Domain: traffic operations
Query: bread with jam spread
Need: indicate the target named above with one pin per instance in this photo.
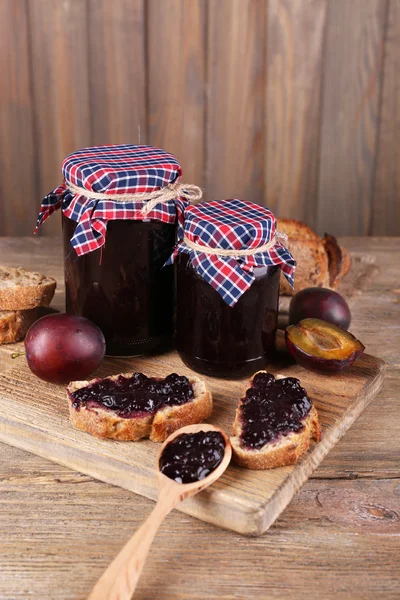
(281, 446)
(100, 420)
(321, 262)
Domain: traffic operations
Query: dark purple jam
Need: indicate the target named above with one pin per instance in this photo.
(123, 287)
(135, 395)
(272, 408)
(192, 456)
(220, 340)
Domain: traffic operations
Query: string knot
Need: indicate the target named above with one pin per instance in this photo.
(172, 191)
(232, 252)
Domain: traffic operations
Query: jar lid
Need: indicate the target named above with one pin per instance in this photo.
(106, 183)
(226, 239)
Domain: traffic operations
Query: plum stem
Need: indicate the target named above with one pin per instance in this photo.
(17, 354)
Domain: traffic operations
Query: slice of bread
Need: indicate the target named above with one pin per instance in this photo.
(285, 450)
(106, 423)
(15, 323)
(320, 262)
(24, 290)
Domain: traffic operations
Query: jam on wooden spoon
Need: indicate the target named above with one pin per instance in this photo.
(190, 460)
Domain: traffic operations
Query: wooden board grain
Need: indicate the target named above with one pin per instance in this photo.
(350, 101)
(291, 104)
(117, 80)
(385, 203)
(17, 131)
(34, 417)
(295, 41)
(60, 77)
(235, 108)
(176, 82)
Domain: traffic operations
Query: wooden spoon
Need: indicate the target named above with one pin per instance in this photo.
(119, 580)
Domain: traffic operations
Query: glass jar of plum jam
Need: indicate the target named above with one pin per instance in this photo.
(123, 287)
(221, 340)
(229, 259)
(120, 206)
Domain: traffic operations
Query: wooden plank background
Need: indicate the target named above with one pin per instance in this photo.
(292, 104)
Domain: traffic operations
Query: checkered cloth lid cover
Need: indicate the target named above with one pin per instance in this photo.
(113, 169)
(231, 225)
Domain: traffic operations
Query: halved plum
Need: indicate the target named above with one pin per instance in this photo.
(321, 346)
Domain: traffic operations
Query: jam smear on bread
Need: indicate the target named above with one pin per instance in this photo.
(132, 406)
(272, 408)
(135, 394)
(275, 421)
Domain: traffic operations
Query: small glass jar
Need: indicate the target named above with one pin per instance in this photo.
(223, 341)
(123, 287)
(229, 260)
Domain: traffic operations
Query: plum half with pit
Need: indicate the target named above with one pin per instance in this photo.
(321, 346)
(61, 348)
(319, 303)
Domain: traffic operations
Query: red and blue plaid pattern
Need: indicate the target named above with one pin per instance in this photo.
(122, 169)
(231, 225)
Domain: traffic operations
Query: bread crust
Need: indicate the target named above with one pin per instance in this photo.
(104, 423)
(309, 252)
(171, 418)
(285, 451)
(347, 262)
(23, 290)
(15, 323)
(314, 258)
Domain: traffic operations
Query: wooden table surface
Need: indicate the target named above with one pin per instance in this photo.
(339, 538)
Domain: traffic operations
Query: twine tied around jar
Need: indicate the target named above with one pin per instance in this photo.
(172, 191)
(279, 236)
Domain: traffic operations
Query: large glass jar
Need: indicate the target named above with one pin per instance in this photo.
(223, 341)
(123, 287)
(120, 209)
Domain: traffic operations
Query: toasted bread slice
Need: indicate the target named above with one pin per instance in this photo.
(283, 451)
(24, 290)
(320, 262)
(309, 252)
(15, 323)
(106, 423)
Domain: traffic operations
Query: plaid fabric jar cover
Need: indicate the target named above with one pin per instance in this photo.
(125, 169)
(231, 225)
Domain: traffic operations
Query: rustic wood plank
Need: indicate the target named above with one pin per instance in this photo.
(60, 89)
(60, 530)
(292, 113)
(371, 448)
(17, 159)
(117, 78)
(235, 109)
(337, 539)
(365, 451)
(352, 79)
(34, 417)
(386, 205)
(176, 79)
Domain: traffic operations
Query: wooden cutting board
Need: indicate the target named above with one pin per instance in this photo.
(34, 417)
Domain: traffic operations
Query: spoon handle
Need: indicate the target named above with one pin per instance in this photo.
(119, 580)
